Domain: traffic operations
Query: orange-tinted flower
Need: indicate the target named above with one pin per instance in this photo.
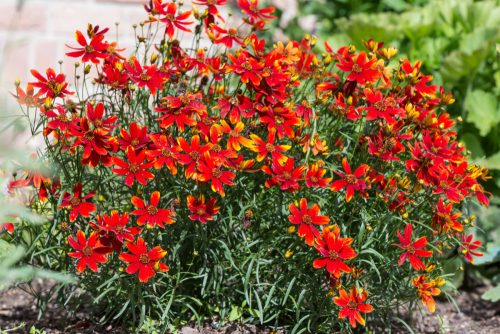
(77, 203)
(445, 219)
(352, 304)
(468, 247)
(351, 181)
(235, 137)
(306, 218)
(202, 211)
(147, 263)
(288, 54)
(265, 148)
(426, 290)
(315, 177)
(90, 51)
(412, 249)
(28, 98)
(334, 251)
(150, 214)
(135, 168)
(86, 251)
(210, 170)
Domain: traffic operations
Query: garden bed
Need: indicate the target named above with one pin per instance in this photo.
(17, 306)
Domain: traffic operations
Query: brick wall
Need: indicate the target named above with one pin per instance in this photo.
(33, 33)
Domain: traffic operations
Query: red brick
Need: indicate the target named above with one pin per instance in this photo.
(47, 53)
(15, 62)
(31, 16)
(72, 16)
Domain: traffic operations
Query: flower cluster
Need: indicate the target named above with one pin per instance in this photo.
(178, 135)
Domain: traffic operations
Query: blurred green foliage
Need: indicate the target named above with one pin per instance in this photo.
(13, 209)
(457, 42)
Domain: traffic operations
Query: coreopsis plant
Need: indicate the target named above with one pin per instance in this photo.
(286, 184)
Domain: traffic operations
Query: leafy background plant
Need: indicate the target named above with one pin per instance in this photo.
(457, 42)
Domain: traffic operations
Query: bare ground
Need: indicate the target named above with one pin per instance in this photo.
(18, 313)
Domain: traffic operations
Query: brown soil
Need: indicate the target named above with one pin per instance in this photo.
(17, 308)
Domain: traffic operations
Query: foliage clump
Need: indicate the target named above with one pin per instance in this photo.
(270, 183)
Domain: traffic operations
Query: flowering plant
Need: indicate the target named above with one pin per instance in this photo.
(289, 186)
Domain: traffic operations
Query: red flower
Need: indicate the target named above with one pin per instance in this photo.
(180, 109)
(445, 219)
(135, 168)
(90, 51)
(151, 214)
(226, 36)
(114, 76)
(162, 152)
(77, 203)
(246, 66)
(381, 107)
(334, 250)
(315, 177)
(212, 9)
(468, 247)
(171, 20)
(137, 137)
(58, 119)
(114, 227)
(446, 185)
(202, 211)
(144, 76)
(209, 169)
(251, 8)
(412, 249)
(93, 133)
(86, 251)
(351, 181)
(306, 218)
(53, 86)
(361, 69)
(144, 261)
(9, 227)
(352, 304)
(192, 153)
(285, 175)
